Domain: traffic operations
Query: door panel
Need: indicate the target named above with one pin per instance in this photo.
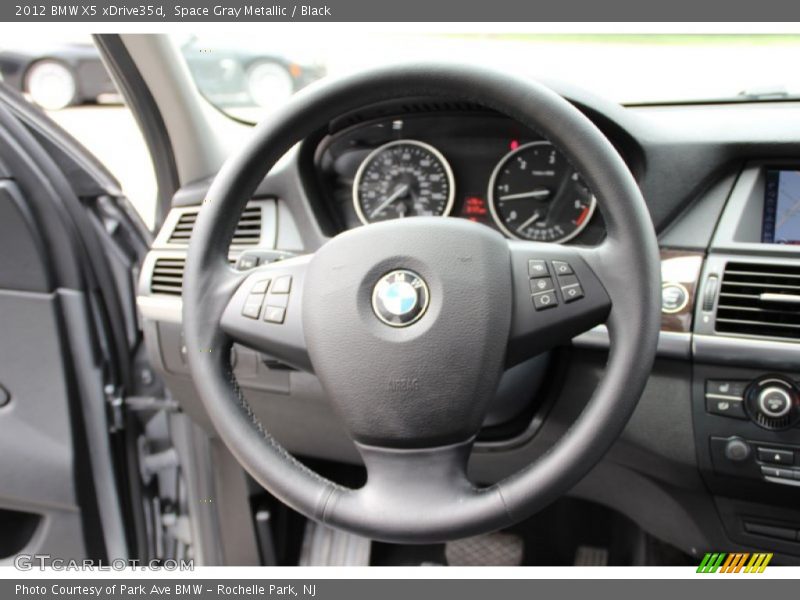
(36, 442)
(68, 333)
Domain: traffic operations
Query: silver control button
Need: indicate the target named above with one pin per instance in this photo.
(774, 402)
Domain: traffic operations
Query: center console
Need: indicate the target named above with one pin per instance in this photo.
(746, 350)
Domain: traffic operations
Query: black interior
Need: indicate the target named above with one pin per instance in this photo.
(664, 459)
(685, 476)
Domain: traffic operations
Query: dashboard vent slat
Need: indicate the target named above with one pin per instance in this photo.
(248, 231)
(744, 310)
(167, 276)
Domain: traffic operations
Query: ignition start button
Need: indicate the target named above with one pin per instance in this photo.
(674, 298)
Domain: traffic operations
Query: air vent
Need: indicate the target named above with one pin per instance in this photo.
(761, 300)
(167, 276)
(248, 231)
(183, 230)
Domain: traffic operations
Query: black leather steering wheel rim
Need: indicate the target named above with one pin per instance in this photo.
(419, 493)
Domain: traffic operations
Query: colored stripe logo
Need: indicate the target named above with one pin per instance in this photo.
(736, 562)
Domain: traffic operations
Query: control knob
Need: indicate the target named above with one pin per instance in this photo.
(737, 450)
(773, 402)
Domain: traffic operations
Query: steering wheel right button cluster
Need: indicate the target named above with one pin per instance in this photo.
(571, 288)
(544, 279)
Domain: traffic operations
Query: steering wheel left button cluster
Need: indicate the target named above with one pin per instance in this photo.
(543, 291)
(273, 299)
(254, 300)
(278, 299)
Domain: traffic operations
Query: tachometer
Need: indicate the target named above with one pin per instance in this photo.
(535, 194)
(404, 178)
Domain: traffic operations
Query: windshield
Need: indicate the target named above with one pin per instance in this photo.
(247, 77)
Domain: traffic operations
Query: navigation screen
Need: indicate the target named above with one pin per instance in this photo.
(781, 207)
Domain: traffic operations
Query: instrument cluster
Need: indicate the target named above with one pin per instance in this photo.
(482, 167)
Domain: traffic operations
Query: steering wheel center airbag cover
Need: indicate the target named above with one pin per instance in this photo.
(427, 383)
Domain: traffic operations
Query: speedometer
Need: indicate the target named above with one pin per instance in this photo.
(535, 194)
(404, 178)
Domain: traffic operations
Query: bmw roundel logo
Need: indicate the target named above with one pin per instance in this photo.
(400, 298)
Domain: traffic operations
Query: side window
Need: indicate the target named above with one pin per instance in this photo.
(66, 78)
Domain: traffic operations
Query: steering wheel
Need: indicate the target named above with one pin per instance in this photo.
(409, 324)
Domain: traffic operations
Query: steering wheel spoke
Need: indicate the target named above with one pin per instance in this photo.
(265, 312)
(415, 474)
(414, 490)
(558, 294)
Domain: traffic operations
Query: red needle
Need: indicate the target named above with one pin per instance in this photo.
(582, 216)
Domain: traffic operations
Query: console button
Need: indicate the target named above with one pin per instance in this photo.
(544, 300)
(777, 473)
(726, 387)
(567, 280)
(542, 284)
(725, 407)
(274, 314)
(774, 402)
(674, 298)
(783, 533)
(282, 285)
(537, 268)
(572, 292)
(737, 450)
(775, 456)
(562, 268)
(260, 287)
(280, 300)
(252, 306)
(247, 261)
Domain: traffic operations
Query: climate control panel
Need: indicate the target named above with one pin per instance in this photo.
(771, 401)
(748, 426)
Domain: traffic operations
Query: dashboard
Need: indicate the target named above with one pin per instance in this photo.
(711, 457)
(472, 165)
